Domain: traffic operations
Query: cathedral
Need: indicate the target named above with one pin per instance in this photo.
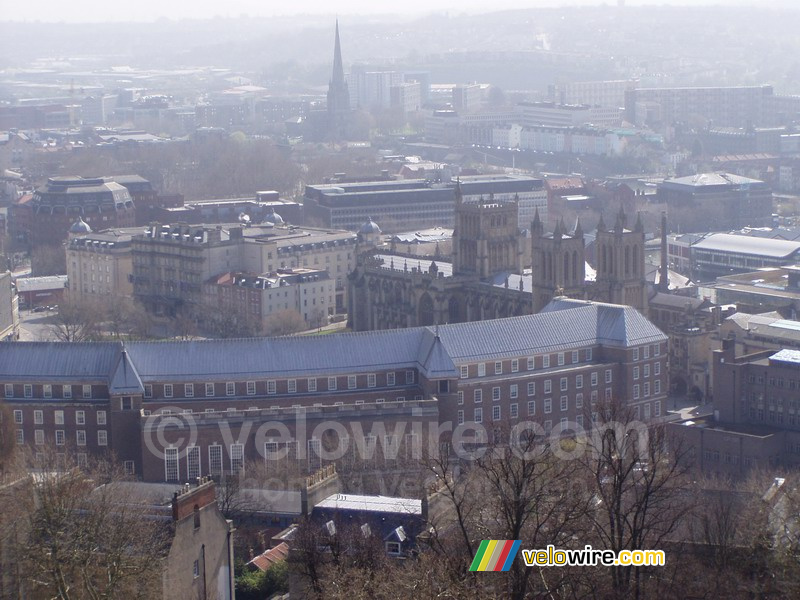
(486, 279)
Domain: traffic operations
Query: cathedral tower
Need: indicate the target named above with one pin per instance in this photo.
(620, 264)
(559, 267)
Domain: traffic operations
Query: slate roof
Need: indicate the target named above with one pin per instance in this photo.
(435, 351)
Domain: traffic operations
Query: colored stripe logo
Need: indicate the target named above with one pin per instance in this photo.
(495, 555)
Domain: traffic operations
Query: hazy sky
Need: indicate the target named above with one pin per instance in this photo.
(149, 10)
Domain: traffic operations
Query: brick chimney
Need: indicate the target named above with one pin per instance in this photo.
(200, 495)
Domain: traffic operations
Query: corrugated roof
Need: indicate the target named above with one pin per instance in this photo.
(790, 356)
(57, 360)
(746, 244)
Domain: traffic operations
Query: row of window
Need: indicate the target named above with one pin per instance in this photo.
(60, 437)
(47, 391)
(646, 389)
(497, 413)
(80, 417)
(646, 351)
(561, 360)
(646, 371)
(209, 389)
(477, 394)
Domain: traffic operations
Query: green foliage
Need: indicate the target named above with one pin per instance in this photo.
(259, 585)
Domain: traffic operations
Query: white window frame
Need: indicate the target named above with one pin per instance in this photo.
(188, 390)
(101, 417)
(58, 417)
(168, 390)
(478, 414)
(80, 437)
(332, 384)
(514, 365)
(352, 382)
(210, 390)
(372, 380)
(61, 437)
(477, 396)
(80, 417)
(481, 369)
(391, 379)
(311, 384)
(38, 417)
(102, 437)
(230, 388)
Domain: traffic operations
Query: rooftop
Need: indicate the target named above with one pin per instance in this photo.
(385, 504)
(746, 244)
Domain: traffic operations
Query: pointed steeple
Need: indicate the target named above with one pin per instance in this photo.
(338, 68)
(338, 94)
(459, 193)
(619, 226)
(601, 224)
(558, 232)
(536, 224)
(638, 227)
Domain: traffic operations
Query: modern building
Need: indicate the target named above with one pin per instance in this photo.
(414, 204)
(592, 93)
(100, 202)
(551, 114)
(724, 254)
(174, 411)
(716, 202)
(768, 289)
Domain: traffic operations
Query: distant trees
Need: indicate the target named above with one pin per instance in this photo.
(76, 321)
(284, 322)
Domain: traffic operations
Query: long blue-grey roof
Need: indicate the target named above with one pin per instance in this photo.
(435, 351)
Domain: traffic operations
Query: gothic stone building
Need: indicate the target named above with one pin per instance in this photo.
(486, 279)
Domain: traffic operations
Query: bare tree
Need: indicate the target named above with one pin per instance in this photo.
(284, 322)
(77, 321)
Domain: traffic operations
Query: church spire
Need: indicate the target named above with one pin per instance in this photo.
(337, 78)
(338, 94)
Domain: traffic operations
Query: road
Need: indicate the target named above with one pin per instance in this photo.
(35, 327)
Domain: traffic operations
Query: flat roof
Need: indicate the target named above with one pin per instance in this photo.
(787, 356)
(747, 244)
(410, 506)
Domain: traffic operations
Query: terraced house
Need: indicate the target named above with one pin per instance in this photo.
(173, 411)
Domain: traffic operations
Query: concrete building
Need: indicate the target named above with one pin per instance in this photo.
(724, 254)
(9, 309)
(592, 93)
(550, 114)
(372, 90)
(100, 264)
(716, 202)
(768, 289)
(165, 408)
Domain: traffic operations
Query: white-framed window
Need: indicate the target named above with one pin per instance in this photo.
(59, 417)
(636, 392)
(331, 383)
(272, 387)
(393, 548)
(647, 370)
(548, 386)
(101, 417)
(87, 391)
(38, 437)
(38, 417)
(531, 388)
(409, 377)
(481, 369)
(496, 412)
(578, 382)
(47, 390)
(635, 373)
(657, 368)
(193, 462)
(129, 466)
(102, 437)
(588, 354)
(371, 380)
(230, 388)
(548, 405)
(546, 361)
(647, 411)
(460, 397)
(646, 351)
(188, 390)
(563, 423)
(657, 408)
(657, 386)
(531, 407)
(498, 368)
(171, 466)
(560, 359)
(27, 390)
(579, 420)
(80, 417)
(548, 425)
(148, 390)
(215, 459)
(608, 393)
(461, 417)
(579, 400)
(20, 436)
(464, 371)
(209, 389)
(646, 389)
(477, 396)
(9, 390)
(531, 363)
(594, 397)
(478, 415)
(564, 384)
(656, 349)
(514, 410)
(575, 357)
(291, 386)
(593, 378)
(564, 403)
(66, 391)
(60, 437)
(167, 390)
(80, 437)
(237, 458)
(635, 354)
(351, 382)
(312, 384)
(390, 379)
(496, 393)
(514, 365)
(514, 391)
(608, 375)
